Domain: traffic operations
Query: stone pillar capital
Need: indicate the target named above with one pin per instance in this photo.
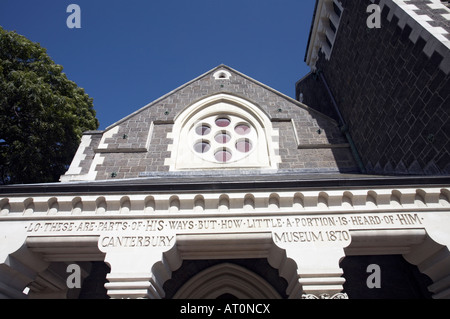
(133, 273)
(318, 269)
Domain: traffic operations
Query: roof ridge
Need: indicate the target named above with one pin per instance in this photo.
(222, 66)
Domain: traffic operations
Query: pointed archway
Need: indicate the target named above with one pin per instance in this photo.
(227, 279)
(238, 262)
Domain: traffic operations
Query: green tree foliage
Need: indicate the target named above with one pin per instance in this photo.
(42, 113)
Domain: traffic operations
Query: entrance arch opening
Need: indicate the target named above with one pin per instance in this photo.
(398, 279)
(231, 278)
(256, 254)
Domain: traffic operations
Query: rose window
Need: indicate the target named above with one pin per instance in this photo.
(223, 139)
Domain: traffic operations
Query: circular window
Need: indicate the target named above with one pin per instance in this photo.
(223, 139)
(223, 155)
(202, 147)
(222, 122)
(242, 129)
(203, 129)
(244, 145)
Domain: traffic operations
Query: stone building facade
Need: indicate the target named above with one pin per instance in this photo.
(391, 84)
(141, 142)
(226, 188)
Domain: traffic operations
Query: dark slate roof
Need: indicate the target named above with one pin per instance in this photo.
(169, 182)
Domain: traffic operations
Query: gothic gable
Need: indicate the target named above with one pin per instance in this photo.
(283, 134)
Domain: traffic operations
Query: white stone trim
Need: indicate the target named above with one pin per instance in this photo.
(222, 75)
(90, 176)
(75, 168)
(149, 136)
(108, 134)
(320, 29)
(226, 278)
(73, 174)
(412, 221)
(434, 36)
(339, 295)
(301, 202)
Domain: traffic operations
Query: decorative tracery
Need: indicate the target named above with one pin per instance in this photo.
(223, 132)
(223, 138)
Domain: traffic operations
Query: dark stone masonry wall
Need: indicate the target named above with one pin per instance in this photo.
(315, 95)
(141, 143)
(395, 99)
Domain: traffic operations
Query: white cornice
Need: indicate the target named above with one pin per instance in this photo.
(214, 204)
(319, 31)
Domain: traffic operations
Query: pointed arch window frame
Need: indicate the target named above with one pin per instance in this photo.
(183, 157)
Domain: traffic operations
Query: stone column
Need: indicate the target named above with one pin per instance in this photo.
(133, 272)
(318, 270)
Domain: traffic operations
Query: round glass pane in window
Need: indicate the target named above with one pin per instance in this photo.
(244, 146)
(202, 147)
(202, 129)
(222, 138)
(222, 122)
(242, 129)
(222, 156)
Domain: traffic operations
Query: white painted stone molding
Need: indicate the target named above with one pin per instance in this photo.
(222, 75)
(145, 237)
(321, 31)
(420, 199)
(226, 278)
(325, 296)
(225, 246)
(131, 274)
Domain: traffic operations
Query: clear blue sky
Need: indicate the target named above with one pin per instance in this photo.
(129, 53)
